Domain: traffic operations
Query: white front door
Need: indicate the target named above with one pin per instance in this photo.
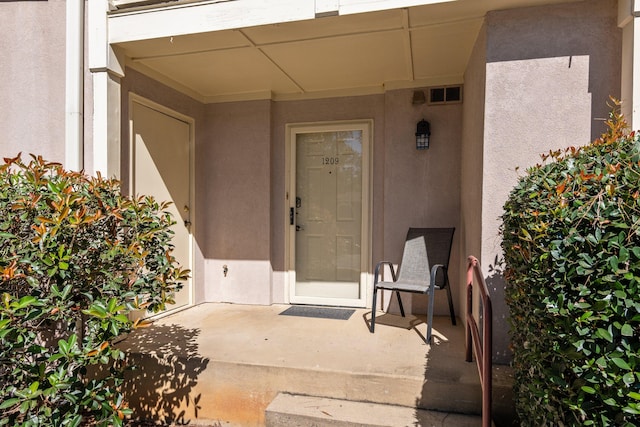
(329, 224)
(161, 159)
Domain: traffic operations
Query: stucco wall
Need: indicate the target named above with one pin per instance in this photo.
(421, 187)
(630, 25)
(410, 187)
(471, 157)
(321, 110)
(32, 67)
(232, 189)
(237, 190)
(549, 73)
(135, 82)
(241, 189)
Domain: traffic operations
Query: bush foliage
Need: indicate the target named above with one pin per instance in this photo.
(75, 257)
(572, 251)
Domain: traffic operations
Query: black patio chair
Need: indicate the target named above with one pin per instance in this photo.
(423, 270)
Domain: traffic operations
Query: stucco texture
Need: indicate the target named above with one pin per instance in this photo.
(539, 78)
(33, 79)
(421, 187)
(240, 182)
(549, 74)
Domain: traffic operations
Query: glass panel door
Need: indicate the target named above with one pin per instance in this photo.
(328, 216)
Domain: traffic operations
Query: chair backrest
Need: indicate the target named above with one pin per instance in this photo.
(423, 248)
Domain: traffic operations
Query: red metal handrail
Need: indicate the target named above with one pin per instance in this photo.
(482, 346)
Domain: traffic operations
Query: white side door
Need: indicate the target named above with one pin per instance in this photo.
(161, 167)
(329, 198)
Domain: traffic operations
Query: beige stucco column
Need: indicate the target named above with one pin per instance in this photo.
(629, 22)
(107, 70)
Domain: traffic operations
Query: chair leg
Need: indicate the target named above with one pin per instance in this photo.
(451, 311)
(430, 311)
(400, 303)
(373, 309)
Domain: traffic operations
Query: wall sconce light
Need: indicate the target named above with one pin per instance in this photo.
(423, 133)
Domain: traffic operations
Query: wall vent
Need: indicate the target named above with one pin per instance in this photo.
(445, 95)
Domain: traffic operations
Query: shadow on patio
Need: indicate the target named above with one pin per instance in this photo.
(223, 364)
(167, 367)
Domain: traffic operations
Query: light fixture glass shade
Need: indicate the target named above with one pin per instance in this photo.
(423, 134)
(422, 142)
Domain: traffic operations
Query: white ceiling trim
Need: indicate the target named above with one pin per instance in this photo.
(260, 46)
(408, 49)
(204, 17)
(274, 63)
(348, 7)
(222, 51)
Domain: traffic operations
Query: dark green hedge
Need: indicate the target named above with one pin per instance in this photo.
(572, 252)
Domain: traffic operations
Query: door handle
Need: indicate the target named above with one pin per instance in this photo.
(299, 227)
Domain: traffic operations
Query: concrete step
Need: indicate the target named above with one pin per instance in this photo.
(224, 365)
(289, 410)
(240, 392)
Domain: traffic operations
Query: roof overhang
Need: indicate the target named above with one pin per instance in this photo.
(223, 50)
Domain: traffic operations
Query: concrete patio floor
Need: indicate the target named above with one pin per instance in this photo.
(223, 364)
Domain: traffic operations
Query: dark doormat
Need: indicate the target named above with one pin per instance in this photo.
(318, 312)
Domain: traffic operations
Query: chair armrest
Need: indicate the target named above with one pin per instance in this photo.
(379, 266)
(434, 273)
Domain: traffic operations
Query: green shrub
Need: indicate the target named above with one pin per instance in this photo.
(75, 258)
(572, 252)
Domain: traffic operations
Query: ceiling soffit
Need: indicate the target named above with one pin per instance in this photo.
(351, 54)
